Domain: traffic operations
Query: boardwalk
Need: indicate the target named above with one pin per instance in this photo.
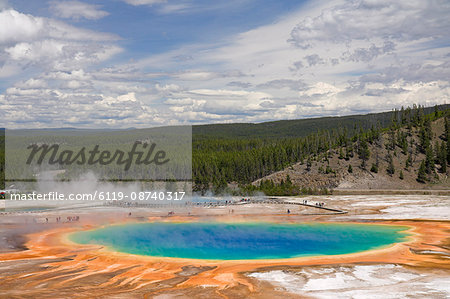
(225, 203)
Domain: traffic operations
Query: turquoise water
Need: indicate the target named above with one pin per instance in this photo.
(241, 241)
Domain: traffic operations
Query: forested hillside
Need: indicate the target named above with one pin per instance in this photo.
(409, 147)
(221, 163)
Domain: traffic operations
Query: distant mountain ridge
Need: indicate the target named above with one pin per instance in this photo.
(298, 127)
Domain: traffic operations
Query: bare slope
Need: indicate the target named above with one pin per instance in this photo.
(332, 171)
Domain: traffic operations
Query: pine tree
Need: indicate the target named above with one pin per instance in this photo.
(390, 168)
(308, 164)
(422, 174)
(341, 153)
(374, 168)
(364, 153)
(401, 175)
(403, 143)
(329, 170)
(424, 141)
(408, 117)
(442, 157)
(408, 161)
(444, 167)
(350, 169)
(402, 116)
(288, 180)
(349, 152)
(420, 115)
(391, 140)
(429, 160)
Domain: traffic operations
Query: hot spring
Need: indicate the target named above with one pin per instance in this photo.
(241, 241)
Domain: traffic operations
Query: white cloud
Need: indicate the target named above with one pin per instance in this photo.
(33, 83)
(168, 87)
(368, 54)
(329, 58)
(77, 10)
(36, 51)
(196, 75)
(314, 59)
(174, 8)
(181, 102)
(27, 42)
(363, 20)
(60, 54)
(311, 61)
(129, 97)
(8, 69)
(17, 27)
(144, 2)
(319, 89)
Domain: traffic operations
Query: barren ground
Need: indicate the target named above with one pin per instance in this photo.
(38, 262)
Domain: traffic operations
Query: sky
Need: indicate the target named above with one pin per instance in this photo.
(145, 63)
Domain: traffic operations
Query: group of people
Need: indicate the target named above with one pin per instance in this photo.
(317, 204)
(58, 219)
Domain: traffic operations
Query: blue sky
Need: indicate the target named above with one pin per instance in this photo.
(140, 63)
(149, 30)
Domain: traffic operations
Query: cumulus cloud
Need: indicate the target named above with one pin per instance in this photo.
(368, 54)
(59, 54)
(30, 41)
(15, 26)
(18, 27)
(52, 107)
(212, 104)
(283, 83)
(361, 20)
(314, 59)
(32, 83)
(329, 58)
(77, 10)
